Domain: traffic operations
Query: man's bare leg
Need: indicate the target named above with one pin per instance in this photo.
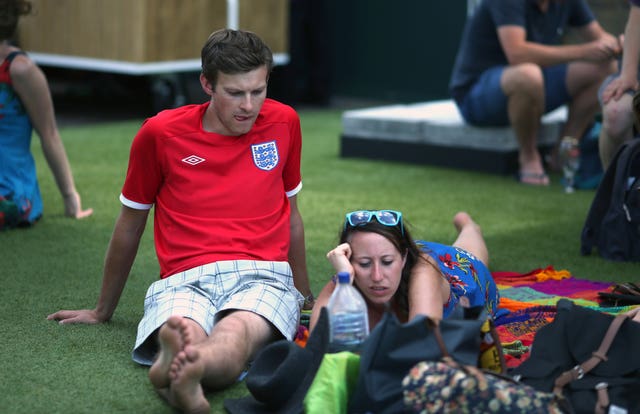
(583, 81)
(173, 336)
(524, 87)
(216, 362)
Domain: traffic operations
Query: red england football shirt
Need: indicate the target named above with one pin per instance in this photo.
(216, 197)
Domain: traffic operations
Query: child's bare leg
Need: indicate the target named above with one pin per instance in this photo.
(470, 237)
(173, 336)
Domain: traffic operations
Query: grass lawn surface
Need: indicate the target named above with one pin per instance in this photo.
(57, 264)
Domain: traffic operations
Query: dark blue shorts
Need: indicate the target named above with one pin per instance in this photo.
(486, 104)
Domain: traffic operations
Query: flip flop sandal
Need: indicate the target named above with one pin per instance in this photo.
(528, 178)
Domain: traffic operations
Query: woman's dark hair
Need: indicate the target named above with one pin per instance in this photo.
(401, 238)
(10, 12)
(232, 52)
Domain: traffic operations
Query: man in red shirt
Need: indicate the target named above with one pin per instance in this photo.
(223, 177)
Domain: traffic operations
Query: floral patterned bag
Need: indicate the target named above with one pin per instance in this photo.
(393, 348)
(448, 387)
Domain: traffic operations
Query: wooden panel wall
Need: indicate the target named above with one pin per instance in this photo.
(269, 19)
(143, 30)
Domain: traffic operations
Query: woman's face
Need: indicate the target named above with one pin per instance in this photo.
(377, 265)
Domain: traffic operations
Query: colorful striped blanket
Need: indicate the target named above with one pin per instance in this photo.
(527, 302)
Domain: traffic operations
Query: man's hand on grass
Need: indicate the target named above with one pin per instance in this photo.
(88, 316)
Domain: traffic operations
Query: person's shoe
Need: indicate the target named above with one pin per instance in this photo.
(529, 178)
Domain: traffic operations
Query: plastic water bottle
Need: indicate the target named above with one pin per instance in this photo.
(570, 159)
(348, 317)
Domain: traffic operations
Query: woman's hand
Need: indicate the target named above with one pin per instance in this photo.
(340, 258)
(73, 207)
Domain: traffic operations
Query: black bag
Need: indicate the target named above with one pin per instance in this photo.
(613, 221)
(392, 349)
(590, 358)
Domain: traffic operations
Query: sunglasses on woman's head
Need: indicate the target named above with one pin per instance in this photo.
(385, 217)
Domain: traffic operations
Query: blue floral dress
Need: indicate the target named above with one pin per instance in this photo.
(467, 276)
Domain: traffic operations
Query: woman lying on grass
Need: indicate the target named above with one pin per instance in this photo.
(392, 271)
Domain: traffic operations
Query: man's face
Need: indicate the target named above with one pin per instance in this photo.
(236, 101)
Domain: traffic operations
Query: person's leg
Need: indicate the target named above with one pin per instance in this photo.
(617, 122)
(177, 312)
(583, 80)
(470, 237)
(575, 85)
(179, 294)
(511, 96)
(250, 303)
(617, 127)
(218, 361)
(524, 87)
(173, 336)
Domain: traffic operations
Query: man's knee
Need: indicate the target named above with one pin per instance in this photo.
(245, 330)
(525, 77)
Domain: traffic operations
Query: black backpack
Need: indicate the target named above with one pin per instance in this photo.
(589, 357)
(613, 223)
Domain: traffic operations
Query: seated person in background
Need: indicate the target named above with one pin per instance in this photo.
(409, 277)
(512, 68)
(617, 92)
(25, 103)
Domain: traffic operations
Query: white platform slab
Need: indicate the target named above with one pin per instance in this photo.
(440, 123)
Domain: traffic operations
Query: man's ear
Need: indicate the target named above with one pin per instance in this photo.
(206, 85)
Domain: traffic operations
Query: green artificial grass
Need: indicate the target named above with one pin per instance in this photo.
(57, 264)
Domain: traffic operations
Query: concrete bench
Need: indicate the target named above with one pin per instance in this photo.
(435, 133)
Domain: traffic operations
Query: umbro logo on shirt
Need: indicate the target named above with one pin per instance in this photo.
(193, 160)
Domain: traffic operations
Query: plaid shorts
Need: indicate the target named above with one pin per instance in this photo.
(265, 288)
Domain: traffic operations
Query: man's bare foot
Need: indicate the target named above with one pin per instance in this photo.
(531, 170)
(530, 178)
(185, 392)
(172, 337)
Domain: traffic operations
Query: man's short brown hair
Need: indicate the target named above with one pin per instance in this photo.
(232, 52)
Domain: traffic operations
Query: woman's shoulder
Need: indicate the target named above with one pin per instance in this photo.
(21, 64)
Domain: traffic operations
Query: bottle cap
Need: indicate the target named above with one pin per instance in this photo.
(343, 277)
